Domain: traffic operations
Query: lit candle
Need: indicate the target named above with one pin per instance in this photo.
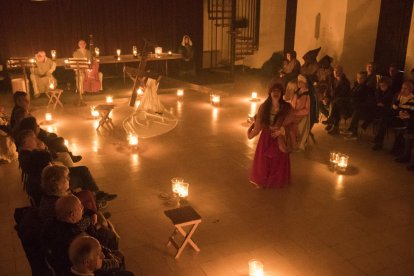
(183, 190)
(32, 60)
(52, 85)
(48, 117)
(96, 51)
(169, 53)
(254, 95)
(66, 61)
(180, 93)
(134, 51)
(118, 52)
(140, 92)
(255, 268)
(332, 158)
(109, 99)
(53, 54)
(66, 143)
(94, 113)
(133, 140)
(176, 184)
(343, 162)
(215, 99)
(158, 51)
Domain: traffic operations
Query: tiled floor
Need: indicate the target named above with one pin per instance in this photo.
(322, 224)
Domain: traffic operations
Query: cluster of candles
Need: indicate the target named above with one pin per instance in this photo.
(338, 161)
(179, 187)
(255, 268)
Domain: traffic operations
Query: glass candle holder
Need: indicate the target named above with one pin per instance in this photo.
(342, 163)
(109, 99)
(134, 51)
(183, 190)
(180, 94)
(176, 183)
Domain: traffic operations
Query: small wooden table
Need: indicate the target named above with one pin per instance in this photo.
(54, 98)
(181, 217)
(104, 111)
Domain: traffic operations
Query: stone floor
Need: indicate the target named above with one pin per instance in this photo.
(360, 223)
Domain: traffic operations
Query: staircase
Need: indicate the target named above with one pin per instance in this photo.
(234, 28)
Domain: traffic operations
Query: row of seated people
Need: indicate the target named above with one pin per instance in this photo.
(41, 75)
(388, 106)
(37, 148)
(48, 232)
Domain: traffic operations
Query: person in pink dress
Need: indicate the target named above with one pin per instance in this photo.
(275, 120)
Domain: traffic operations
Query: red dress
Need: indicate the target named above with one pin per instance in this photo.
(91, 82)
(271, 163)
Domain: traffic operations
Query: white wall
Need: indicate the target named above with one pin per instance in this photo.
(272, 32)
(332, 27)
(360, 35)
(409, 61)
(348, 30)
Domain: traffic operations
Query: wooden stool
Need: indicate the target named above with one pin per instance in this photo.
(181, 217)
(104, 111)
(54, 98)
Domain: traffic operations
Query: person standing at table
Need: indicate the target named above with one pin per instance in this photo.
(42, 75)
(82, 52)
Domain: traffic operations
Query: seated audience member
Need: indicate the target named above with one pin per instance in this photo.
(7, 146)
(361, 102)
(408, 138)
(301, 106)
(340, 103)
(70, 221)
(82, 52)
(291, 68)
(34, 157)
(20, 109)
(371, 76)
(187, 65)
(42, 75)
(401, 110)
(87, 256)
(56, 145)
(324, 85)
(397, 78)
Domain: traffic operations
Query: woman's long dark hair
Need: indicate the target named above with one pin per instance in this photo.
(284, 107)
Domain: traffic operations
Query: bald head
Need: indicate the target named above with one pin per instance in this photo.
(85, 253)
(69, 209)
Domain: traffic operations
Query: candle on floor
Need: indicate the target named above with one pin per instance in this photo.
(48, 117)
(183, 190)
(133, 140)
(140, 92)
(109, 99)
(254, 95)
(333, 159)
(215, 99)
(96, 51)
(94, 113)
(343, 162)
(53, 54)
(255, 268)
(180, 94)
(176, 183)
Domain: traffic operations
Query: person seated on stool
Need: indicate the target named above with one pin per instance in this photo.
(82, 52)
(41, 76)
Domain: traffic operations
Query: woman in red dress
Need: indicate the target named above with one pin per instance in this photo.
(276, 122)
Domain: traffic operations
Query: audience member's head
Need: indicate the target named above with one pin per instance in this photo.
(384, 83)
(27, 140)
(82, 44)
(361, 77)
(69, 209)
(290, 55)
(393, 69)
(29, 123)
(338, 71)
(21, 99)
(407, 88)
(55, 180)
(85, 254)
(302, 81)
(370, 68)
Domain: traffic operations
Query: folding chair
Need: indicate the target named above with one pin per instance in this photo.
(54, 98)
(181, 217)
(104, 111)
